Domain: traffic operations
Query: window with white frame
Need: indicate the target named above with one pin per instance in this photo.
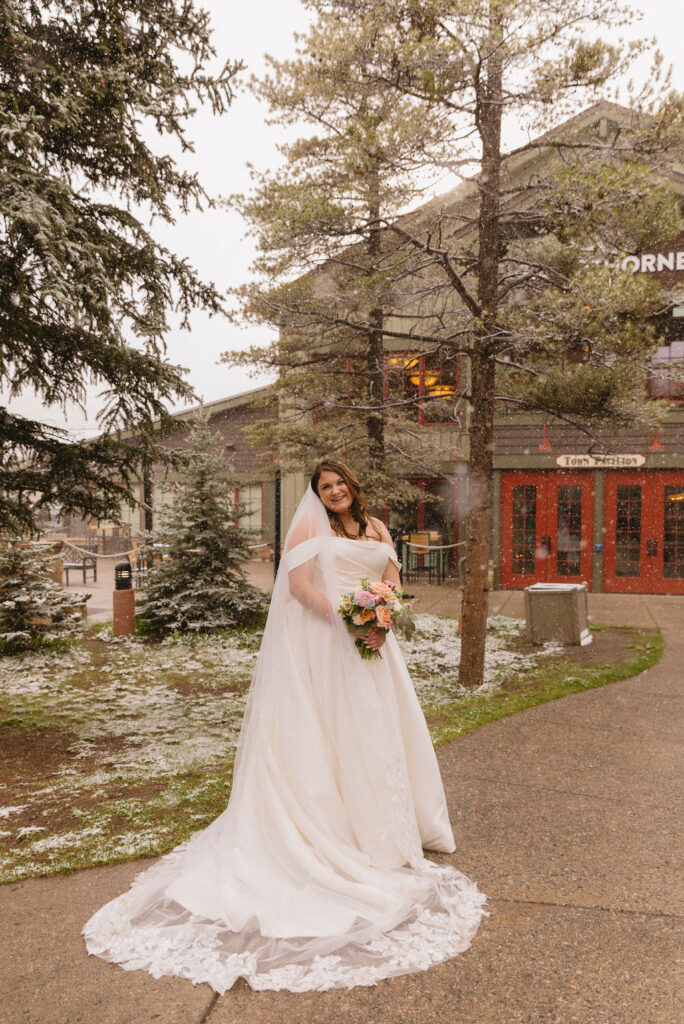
(251, 497)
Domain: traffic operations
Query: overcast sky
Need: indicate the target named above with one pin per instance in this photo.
(214, 242)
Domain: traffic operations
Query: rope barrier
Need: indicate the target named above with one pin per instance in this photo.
(96, 554)
(131, 551)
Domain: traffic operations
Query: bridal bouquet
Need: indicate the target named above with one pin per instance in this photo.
(373, 605)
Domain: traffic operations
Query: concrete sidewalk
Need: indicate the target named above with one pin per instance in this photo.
(564, 815)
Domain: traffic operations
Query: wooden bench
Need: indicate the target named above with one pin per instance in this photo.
(87, 564)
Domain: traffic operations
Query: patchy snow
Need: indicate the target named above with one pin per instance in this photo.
(433, 655)
(6, 811)
(144, 712)
(29, 830)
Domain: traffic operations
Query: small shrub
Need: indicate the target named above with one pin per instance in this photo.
(32, 605)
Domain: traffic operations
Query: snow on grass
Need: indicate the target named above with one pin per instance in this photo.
(6, 811)
(155, 728)
(433, 656)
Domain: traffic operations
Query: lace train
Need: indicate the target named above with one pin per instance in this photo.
(169, 940)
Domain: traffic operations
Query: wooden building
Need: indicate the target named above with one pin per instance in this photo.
(254, 479)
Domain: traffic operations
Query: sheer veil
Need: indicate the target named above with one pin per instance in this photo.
(307, 546)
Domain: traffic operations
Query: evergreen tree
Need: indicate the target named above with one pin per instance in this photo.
(552, 328)
(322, 215)
(519, 268)
(32, 604)
(85, 290)
(200, 585)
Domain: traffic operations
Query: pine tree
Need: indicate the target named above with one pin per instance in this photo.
(322, 214)
(552, 328)
(32, 604)
(519, 268)
(200, 585)
(85, 290)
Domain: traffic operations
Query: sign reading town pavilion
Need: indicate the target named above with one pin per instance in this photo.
(600, 461)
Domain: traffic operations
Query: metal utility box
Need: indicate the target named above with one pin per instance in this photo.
(557, 611)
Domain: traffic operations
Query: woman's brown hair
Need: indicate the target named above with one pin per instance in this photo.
(359, 508)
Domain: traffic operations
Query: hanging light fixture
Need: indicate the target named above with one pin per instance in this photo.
(430, 379)
(402, 360)
(440, 390)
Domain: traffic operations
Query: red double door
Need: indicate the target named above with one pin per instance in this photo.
(644, 532)
(546, 528)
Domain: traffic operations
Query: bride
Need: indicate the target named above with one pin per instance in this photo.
(314, 876)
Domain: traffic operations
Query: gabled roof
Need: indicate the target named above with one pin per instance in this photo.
(529, 154)
(220, 405)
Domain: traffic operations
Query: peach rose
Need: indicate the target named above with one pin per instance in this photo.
(383, 616)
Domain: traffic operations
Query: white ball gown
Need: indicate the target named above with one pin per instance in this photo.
(314, 876)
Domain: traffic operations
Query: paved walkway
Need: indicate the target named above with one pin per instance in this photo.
(610, 609)
(565, 816)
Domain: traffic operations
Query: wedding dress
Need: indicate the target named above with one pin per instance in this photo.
(314, 876)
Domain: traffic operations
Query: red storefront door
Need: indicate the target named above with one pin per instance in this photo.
(644, 532)
(546, 528)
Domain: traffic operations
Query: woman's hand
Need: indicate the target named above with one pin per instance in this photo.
(375, 638)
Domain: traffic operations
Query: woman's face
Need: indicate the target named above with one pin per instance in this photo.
(333, 492)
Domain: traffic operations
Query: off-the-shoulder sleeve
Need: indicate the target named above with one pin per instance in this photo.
(392, 555)
(303, 552)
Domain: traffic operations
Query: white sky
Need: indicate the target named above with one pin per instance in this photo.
(214, 242)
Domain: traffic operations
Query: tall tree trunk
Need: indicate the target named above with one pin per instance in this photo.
(478, 535)
(375, 423)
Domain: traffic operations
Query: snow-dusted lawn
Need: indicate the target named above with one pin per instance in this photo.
(148, 735)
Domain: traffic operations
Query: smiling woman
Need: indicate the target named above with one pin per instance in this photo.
(337, 486)
(314, 877)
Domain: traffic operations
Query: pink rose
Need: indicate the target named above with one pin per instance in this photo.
(363, 598)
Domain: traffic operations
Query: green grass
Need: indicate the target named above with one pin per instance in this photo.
(552, 679)
(129, 715)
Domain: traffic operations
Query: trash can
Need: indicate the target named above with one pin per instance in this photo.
(557, 611)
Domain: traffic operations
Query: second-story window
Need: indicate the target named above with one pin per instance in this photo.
(441, 386)
(402, 382)
(428, 385)
(666, 377)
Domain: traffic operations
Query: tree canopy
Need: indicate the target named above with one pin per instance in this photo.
(322, 217)
(517, 270)
(85, 290)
